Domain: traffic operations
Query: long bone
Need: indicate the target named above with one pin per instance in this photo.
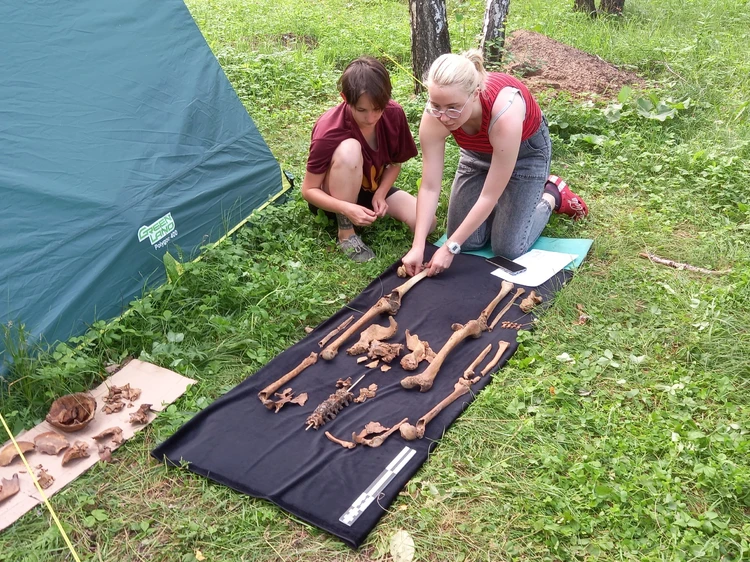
(411, 432)
(388, 304)
(345, 444)
(336, 330)
(469, 372)
(502, 346)
(267, 392)
(473, 328)
(506, 308)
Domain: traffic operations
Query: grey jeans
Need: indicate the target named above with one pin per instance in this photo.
(520, 214)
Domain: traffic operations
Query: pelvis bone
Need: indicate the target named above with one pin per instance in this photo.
(386, 352)
(375, 332)
(473, 328)
(420, 350)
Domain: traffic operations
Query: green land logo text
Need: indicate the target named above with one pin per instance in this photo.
(160, 232)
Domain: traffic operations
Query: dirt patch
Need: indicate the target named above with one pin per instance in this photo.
(290, 40)
(543, 64)
(286, 40)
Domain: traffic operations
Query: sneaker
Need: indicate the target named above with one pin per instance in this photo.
(355, 249)
(570, 203)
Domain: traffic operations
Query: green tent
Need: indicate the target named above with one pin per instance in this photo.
(120, 139)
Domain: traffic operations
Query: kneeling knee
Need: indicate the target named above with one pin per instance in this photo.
(348, 155)
(508, 250)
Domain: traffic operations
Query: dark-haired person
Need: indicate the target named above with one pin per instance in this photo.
(502, 191)
(356, 153)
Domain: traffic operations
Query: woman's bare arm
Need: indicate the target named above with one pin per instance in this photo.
(432, 137)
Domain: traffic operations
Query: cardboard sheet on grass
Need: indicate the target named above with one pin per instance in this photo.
(236, 441)
(159, 387)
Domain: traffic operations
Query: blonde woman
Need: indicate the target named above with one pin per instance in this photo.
(502, 191)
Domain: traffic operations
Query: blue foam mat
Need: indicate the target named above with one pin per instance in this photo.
(577, 246)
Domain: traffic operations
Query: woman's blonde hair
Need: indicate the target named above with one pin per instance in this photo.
(465, 71)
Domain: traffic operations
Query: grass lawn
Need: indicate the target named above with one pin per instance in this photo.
(625, 438)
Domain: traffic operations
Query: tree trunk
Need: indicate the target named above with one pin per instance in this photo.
(429, 36)
(493, 32)
(586, 6)
(612, 6)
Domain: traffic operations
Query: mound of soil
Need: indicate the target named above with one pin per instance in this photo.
(543, 63)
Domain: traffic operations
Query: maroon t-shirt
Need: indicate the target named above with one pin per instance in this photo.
(395, 143)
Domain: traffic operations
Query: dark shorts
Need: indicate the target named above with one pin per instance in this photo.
(364, 199)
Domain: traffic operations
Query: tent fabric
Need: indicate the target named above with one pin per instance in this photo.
(237, 442)
(120, 139)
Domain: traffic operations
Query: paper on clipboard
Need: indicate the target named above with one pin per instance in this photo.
(540, 266)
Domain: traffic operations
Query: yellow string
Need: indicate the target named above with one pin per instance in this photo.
(394, 61)
(41, 491)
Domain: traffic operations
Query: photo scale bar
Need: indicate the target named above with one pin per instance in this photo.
(378, 485)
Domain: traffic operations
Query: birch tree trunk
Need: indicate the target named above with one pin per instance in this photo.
(493, 32)
(586, 6)
(429, 36)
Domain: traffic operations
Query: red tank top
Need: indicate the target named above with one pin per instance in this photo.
(495, 82)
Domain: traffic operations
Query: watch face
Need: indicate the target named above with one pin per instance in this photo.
(454, 247)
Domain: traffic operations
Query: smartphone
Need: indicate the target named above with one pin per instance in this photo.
(506, 265)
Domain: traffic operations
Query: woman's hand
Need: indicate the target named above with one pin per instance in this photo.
(379, 204)
(441, 260)
(413, 261)
(360, 216)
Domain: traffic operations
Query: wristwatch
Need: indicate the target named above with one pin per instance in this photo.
(453, 247)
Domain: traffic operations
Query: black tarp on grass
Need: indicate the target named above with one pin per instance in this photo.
(238, 442)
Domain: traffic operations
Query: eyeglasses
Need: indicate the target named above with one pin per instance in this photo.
(449, 113)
